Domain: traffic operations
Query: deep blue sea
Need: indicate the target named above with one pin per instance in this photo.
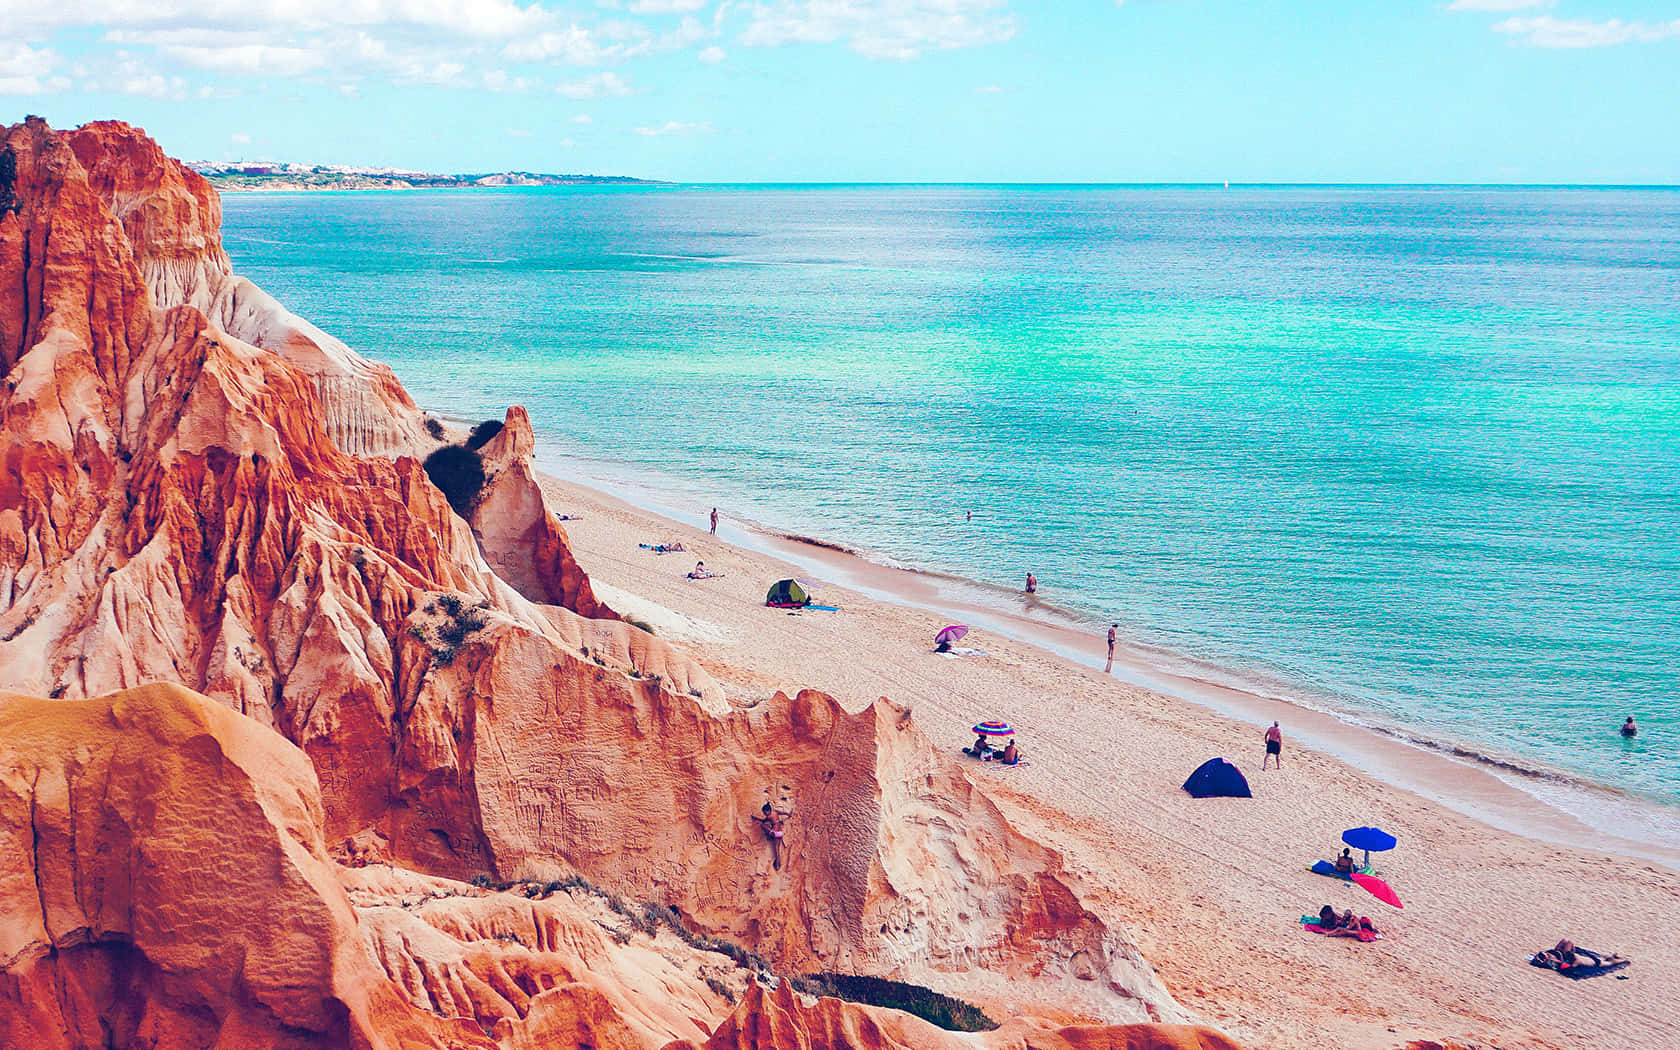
(1411, 452)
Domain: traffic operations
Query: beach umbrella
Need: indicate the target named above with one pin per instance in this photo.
(1370, 840)
(994, 729)
(950, 634)
(1378, 889)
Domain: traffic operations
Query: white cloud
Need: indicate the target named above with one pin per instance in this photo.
(1497, 5)
(712, 55)
(33, 85)
(900, 29)
(26, 70)
(583, 118)
(666, 7)
(989, 89)
(261, 60)
(573, 45)
(503, 82)
(601, 85)
(565, 144)
(518, 133)
(1546, 31)
(240, 138)
(479, 18)
(675, 127)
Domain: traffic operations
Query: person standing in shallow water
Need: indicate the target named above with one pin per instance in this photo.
(714, 521)
(1629, 729)
(1274, 746)
(1109, 668)
(1032, 583)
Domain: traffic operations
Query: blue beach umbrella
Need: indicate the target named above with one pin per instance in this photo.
(1369, 840)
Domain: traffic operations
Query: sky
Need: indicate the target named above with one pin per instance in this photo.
(878, 90)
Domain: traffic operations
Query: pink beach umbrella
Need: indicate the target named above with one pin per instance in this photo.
(1378, 889)
(950, 634)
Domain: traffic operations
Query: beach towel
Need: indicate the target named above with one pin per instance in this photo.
(1362, 935)
(956, 653)
(1581, 970)
(660, 548)
(1324, 867)
(706, 576)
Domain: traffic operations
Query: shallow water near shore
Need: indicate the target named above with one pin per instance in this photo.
(1413, 454)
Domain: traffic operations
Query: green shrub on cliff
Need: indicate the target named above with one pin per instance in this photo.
(953, 1015)
(8, 180)
(459, 473)
(483, 434)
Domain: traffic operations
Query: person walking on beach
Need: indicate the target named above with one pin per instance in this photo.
(1109, 668)
(1629, 729)
(1274, 747)
(1032, 583)
(714, 521)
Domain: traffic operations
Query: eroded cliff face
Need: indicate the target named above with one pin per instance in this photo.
(181, 501)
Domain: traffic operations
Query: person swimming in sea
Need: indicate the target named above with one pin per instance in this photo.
(1629, 730)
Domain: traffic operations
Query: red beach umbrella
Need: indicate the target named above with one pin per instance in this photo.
(950, 634)
(1378, 889)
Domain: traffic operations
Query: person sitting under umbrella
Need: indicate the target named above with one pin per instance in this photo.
(982, 746)
(1344, 863)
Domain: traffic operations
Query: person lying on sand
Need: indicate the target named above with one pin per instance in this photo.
(1347, 924)
(1564, 954)
(663, 548)
(1578, 963)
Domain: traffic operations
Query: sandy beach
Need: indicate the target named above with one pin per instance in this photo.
(1211, 889)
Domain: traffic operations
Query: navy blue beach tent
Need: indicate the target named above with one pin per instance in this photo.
(1217, 778)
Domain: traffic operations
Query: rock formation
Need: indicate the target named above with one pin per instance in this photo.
(198, 488)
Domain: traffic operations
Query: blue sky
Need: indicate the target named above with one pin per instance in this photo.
(879, 90)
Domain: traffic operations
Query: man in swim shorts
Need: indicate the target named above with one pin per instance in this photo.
(1274, 746)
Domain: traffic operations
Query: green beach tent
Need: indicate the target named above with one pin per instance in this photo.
(787, 594)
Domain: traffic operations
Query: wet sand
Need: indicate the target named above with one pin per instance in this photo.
(1211, 889)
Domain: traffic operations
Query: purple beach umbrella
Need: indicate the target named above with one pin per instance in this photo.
(950, 634)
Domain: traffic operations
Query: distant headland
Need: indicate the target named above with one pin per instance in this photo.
(248, 175)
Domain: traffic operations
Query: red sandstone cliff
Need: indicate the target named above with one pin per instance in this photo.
(198, 488)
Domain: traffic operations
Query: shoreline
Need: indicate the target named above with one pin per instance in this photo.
(1207, 890)
(1511, 793)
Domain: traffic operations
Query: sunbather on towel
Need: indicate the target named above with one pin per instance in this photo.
(1564, 955)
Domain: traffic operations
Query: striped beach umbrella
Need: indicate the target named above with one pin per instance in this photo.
(994, 729)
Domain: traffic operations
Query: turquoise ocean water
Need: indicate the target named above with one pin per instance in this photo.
(1410, 452)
